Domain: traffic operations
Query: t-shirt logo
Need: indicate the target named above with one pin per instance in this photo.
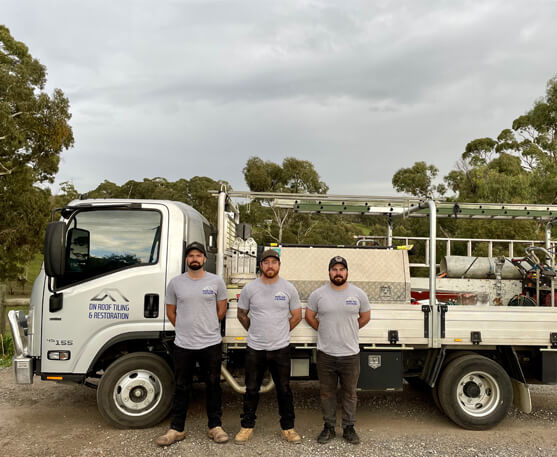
(352, 301)
(280, 296)
(208, 291)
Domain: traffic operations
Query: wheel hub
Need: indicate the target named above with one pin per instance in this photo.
(137, 392)
(471, 389)
(478, 393)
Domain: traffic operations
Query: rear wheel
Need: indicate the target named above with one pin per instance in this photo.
(435, 396)
(475, 392)
(136, 391)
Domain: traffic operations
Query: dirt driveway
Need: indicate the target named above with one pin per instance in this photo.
(47, 419)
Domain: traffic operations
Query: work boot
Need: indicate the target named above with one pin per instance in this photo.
(350, 435)
(292, 436)
(243, 435)
(218, 435)
(327, 434)
(170, 437)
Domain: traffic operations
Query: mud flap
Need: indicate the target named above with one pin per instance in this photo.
(521, 396)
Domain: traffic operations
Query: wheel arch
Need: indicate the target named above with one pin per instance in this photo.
(151, 341)
(501, 355)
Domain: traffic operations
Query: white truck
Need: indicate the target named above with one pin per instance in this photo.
(97, 312)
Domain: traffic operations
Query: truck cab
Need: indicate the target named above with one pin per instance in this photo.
(98, 302)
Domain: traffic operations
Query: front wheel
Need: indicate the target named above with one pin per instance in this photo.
(475, 392)
(136, 391)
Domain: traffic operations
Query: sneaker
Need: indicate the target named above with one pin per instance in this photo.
(218, 435)
(243, 435)
(292, 436)
(350, 435)
(327, 434)
(170, 437)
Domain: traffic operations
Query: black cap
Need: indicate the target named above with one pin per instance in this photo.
(197, 246)
(338, 259)
(270, 253)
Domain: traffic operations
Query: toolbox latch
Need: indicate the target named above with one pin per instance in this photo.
(426, 309)
(393, 336)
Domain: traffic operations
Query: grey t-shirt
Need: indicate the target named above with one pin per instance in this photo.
(197, 323)
(269, 306)
(338, 312)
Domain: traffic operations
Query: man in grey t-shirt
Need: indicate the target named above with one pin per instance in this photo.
(268, 308)
(195, 303)
(337, 311)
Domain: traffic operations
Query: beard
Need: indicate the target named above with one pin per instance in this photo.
(270, 274)
(338, 280)
(195, 266)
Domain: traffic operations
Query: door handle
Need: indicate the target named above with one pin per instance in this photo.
(151, 306)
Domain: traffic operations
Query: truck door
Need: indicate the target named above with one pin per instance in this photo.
(113, 287)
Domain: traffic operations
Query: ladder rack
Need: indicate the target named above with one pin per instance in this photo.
(396, 206)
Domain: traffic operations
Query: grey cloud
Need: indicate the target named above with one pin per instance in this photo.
(361, 88)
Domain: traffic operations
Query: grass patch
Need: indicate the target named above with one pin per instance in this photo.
(6, 350)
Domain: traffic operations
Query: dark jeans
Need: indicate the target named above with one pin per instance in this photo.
(330, 370)
(278, 363)
(209, 359)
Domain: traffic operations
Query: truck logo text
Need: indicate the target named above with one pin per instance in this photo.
(114, 306)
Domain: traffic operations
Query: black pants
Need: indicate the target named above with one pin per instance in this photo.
(278, 363)
(330, 371)
(209, 359)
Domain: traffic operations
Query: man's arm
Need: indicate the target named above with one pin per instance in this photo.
(243, 318)
(221, 309)
(296, 317)
(364, 318)
(171, 313)
(311, 319)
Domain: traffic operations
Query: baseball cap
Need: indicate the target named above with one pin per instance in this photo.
(197, 246)
(338, 259)
(269, 253)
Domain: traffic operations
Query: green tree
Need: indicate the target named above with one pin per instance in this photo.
(418, 180)
(67, 193)
(193, 192)
(34, 130)
(520, 165)
(293, 176)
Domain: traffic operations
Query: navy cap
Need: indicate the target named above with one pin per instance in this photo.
(197, 246)
(338, 259)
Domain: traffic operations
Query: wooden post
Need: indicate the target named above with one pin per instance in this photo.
(3, 289)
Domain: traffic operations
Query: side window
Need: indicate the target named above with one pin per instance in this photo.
(210, 241)
(102, 241)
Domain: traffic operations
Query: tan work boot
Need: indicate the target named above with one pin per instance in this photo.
(243, 435)
(218, 435)
(170, 437)
(292, 436)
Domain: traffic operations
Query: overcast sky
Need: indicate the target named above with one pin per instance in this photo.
(360, 88)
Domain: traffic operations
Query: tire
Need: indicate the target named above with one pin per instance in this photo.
(475, 392)
(435, 396)
(136, 391)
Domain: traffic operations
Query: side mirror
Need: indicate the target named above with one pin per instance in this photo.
(54, 249)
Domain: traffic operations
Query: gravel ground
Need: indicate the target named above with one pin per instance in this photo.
(48, 419)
